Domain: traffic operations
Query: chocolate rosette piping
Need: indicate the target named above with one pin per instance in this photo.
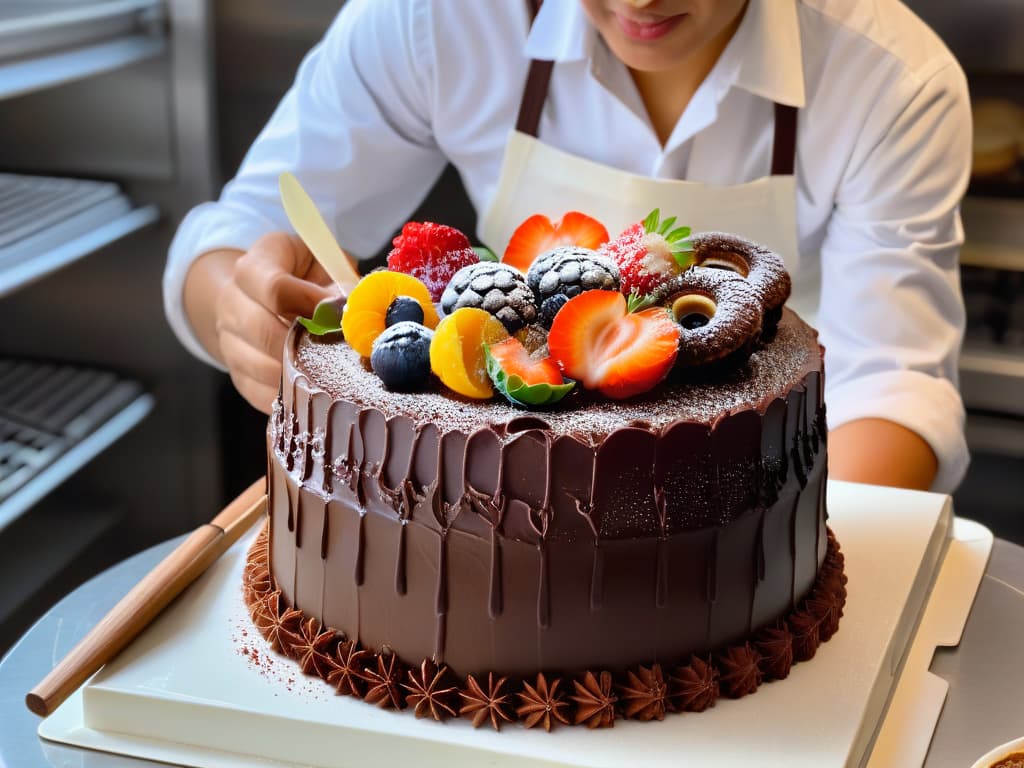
(591, 698)
(775, 645)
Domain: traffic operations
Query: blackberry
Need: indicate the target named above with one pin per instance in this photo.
(495, 288)
(568, 271)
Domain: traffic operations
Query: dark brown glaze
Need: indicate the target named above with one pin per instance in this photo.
(733, 325)
(502, 547)
(594, 698)
(764, 268)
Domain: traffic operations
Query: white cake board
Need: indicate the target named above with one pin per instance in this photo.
(185, 693)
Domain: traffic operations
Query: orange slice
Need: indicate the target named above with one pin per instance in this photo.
(457, 351)
(362, 320)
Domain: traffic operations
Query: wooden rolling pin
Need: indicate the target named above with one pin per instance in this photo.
(148, 598)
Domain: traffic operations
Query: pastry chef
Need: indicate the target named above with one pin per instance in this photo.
(836, 132)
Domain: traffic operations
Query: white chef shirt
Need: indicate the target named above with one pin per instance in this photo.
(397, 88)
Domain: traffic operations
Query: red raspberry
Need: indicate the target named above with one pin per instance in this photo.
(649, 253)
(432, 253)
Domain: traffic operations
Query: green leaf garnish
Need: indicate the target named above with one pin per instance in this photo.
(637, 301)
(651, 222)
(684, 259)
(484, 254)
(666, 225)
(678, 234)
(326, 318)
(518, 392)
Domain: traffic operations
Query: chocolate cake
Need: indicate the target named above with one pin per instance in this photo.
(603, 558)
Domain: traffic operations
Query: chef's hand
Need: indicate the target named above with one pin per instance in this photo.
(241, 304)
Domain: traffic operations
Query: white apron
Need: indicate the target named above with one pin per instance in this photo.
(537, 178)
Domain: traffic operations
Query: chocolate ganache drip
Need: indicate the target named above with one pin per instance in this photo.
(488, 538)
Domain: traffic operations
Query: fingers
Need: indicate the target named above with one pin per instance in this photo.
(255, 374)
(259, 396)
(317, 274)
(275, 273)
(272, 283)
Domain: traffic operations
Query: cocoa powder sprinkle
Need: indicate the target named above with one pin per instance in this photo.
(337, 369)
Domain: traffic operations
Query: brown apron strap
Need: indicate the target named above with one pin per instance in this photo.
(536, 91)
(784, 143)
(534, 95)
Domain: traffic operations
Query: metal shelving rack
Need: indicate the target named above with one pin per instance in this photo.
(45, 43)
(55, 418)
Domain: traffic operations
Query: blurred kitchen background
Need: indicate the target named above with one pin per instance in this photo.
(116, 116)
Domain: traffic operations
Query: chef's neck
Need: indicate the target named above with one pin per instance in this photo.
(666, 93)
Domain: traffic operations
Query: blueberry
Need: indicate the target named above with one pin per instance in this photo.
(401, 356)
(403, 309)
(693, 320)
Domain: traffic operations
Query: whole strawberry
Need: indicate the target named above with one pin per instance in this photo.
(432, 253)
(649, 253)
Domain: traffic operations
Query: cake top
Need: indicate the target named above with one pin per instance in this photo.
(571, 329)
(769, 372)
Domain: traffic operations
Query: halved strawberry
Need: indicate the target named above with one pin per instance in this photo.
(539, 234)
(515, 360)
(597, 341)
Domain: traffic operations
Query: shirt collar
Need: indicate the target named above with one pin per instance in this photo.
(767, 47)
(763, 57)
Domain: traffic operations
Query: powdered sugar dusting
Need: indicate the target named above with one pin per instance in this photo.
(659, 261)
(737, 316)
(338, 370)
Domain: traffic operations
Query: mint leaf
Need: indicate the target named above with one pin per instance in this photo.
(484, 254)
(678, 234)
(666, 225)
(326, 317)
(518, 392)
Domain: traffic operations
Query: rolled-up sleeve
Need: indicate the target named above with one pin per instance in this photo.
(355, 128)
(892, 315)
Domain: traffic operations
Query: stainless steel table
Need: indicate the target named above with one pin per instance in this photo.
(986, 672)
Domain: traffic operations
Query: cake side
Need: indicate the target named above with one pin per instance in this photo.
(499, 548)
(594, 698)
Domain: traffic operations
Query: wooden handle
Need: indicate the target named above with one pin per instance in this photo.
(147, 599)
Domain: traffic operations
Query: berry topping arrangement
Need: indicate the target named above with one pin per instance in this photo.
(566, 311)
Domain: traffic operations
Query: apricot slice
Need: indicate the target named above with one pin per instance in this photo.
(457, 355)
(366, 307)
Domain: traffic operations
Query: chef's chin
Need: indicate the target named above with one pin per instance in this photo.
(662, 34)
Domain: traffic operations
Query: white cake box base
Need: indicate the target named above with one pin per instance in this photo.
(188, 692)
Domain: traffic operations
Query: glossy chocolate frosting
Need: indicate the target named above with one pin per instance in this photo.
(595, 536)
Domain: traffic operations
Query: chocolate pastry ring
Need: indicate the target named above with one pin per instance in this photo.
(719, 314)
(763, 268)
